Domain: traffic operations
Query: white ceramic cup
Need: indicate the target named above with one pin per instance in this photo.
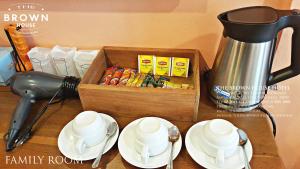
(219, 138)
(151, 138)
(89, 129)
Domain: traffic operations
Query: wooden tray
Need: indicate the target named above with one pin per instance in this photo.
(171, 104)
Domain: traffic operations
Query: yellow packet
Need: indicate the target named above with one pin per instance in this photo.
(133, 74)
(137, 77)
(171, 85)
(180, 67)
(162, 66)
(140, 81)
(177, 86)
(145, 63)
(185, 86)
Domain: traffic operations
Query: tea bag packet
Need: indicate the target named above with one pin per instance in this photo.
(132, 77)
(171, 85)
(108, 75)
(161, 81)
(148, 80)
(152, 82)
(180, 67)
(136, 79)
(125, 77)
(140, 81)
(162, 66)
(116, 77)
(186, 86)
(145, 63)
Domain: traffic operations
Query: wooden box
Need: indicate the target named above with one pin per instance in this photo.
(132, 102)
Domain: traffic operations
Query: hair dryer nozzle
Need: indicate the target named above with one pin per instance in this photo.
(11, 139)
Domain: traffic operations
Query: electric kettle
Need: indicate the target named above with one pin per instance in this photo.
(241, 73)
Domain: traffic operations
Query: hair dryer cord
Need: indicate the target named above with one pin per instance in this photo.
(260, 107)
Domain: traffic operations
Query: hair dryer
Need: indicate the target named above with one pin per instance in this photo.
(33, 86)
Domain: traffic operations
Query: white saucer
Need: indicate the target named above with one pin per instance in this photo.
(128, 152)
(192, 140)
(66, 144)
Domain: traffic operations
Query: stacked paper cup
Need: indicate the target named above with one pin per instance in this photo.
(62, 61)
(83, 59)
(41, 60)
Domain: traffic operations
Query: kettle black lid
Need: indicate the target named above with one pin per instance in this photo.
(252, 24)
(253, 15)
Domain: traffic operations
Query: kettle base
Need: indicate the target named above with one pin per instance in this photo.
(233, 108)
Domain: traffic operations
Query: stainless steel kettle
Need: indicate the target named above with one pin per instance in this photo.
(241, 73)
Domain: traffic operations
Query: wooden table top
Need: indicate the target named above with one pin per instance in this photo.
(44, 142)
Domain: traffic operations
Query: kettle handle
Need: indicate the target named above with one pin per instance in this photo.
(289, 18)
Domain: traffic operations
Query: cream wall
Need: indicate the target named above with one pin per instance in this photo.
(160, 23)
(150, 23)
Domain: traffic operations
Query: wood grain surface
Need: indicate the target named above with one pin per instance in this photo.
(44, 141)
